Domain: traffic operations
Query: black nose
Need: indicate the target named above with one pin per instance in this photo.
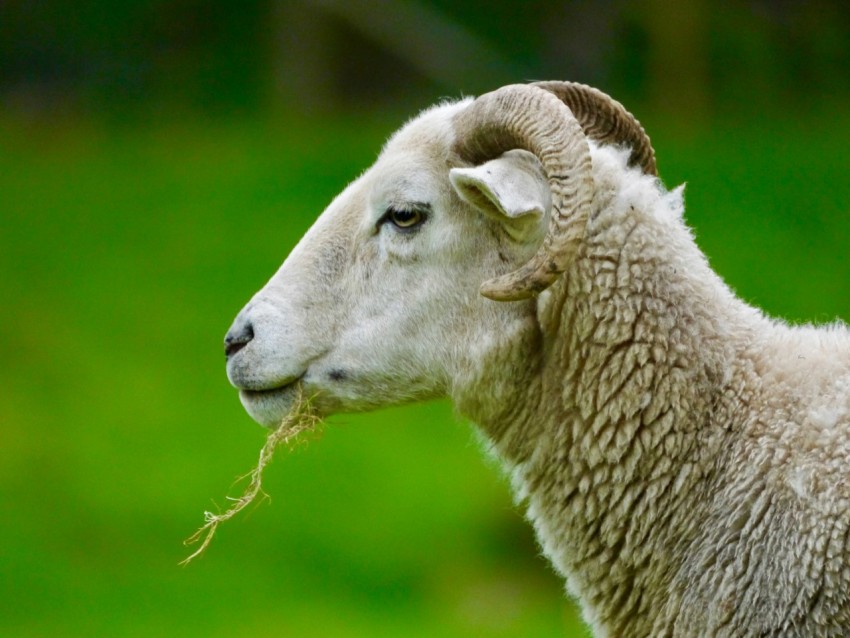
(238, 337)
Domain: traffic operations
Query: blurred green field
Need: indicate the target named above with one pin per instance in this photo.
(126, 250)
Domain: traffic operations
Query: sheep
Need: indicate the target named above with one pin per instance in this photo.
(682, 457)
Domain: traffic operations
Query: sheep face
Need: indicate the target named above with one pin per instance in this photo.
(379, 303)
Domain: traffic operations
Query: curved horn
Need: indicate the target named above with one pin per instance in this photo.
(605, 120)
(534, 119)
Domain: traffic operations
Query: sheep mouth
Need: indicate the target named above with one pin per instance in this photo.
(254, 394)
(283, 388)
(259, 389)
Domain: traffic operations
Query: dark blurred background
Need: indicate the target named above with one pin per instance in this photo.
(157, 162)
(115, 59)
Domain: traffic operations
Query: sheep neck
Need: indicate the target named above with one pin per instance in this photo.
(608, 428)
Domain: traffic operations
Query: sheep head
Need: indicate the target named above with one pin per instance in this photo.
(379, 303)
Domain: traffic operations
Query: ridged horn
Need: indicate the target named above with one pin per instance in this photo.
(535, 119)
(605, 120)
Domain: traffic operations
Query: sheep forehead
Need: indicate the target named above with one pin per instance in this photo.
(413, 165)
(411, 168)
(428, 135)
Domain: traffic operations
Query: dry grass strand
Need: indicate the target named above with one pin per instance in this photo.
(301, 418)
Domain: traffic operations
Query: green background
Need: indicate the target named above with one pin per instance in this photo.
(143, 202)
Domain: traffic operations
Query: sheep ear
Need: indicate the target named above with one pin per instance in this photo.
(513, 188)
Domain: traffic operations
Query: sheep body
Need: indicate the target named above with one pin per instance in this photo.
(687, 468)
(683, 458)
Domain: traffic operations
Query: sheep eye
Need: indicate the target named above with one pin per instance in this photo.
(405, 219)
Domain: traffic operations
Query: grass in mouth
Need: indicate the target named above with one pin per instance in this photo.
(301, 418)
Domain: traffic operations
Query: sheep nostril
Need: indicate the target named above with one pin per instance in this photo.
(237, 338)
